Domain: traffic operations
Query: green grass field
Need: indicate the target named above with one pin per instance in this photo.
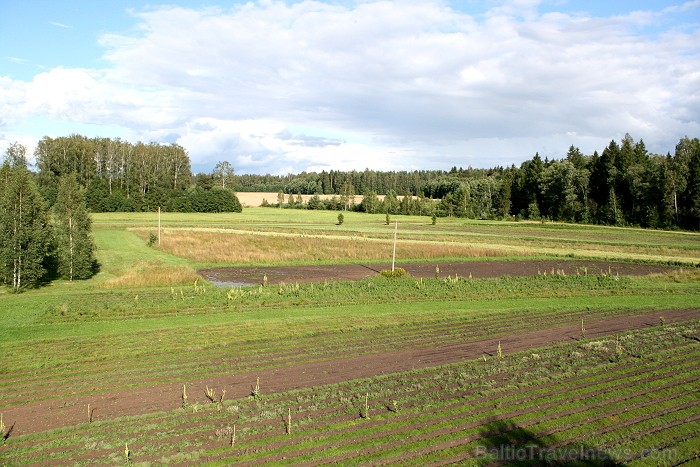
(147, 324)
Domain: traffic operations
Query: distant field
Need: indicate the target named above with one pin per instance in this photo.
(398, 371)
(250, 199)
(254, 199)
(288, 236)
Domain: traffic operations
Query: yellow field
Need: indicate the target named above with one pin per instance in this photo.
(254, 200)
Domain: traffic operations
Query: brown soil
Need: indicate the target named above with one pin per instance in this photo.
(41, 416)
(478, 269)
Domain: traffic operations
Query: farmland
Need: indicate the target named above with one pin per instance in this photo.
(413, 370)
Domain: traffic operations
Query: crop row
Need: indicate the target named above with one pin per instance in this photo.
(428, 328)
(605, 398)
(93, 371)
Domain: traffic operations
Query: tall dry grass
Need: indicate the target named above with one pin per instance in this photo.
(153, 273)
(238, 247)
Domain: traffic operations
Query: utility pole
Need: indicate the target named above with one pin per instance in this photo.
(393, 257)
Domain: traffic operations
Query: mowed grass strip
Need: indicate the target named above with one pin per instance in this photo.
(154, 302)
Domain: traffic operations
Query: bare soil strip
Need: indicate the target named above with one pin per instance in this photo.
(45, 415)
(233, 276)
(255, 355)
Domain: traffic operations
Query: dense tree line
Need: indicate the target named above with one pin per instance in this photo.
(121, 176)
(623, 185)
(418, 182)
(37, 244)
(370, 202)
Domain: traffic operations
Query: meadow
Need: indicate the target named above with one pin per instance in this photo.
(147, 363)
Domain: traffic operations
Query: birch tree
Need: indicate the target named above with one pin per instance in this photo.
(74, 244)
(25, 235)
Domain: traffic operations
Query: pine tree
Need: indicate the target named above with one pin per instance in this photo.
(25, 235)
(74, 243)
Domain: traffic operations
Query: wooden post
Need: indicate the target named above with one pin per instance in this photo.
(158, 225)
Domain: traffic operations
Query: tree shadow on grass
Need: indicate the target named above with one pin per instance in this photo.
(505, 443)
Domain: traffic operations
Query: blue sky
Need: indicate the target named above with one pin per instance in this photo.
(283, 87)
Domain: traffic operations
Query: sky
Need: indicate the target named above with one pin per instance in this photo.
(289, 86)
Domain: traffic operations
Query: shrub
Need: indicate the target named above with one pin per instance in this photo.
(200, 200)
(152, 239)
(341, 218)
(397, 272)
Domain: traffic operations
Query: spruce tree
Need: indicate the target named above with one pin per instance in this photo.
(694, 187)
(74, 243)
(25, 235)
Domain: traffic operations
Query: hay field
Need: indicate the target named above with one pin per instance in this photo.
(246, 247)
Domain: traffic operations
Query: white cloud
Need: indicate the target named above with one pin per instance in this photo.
(398, 84)
(60, 25)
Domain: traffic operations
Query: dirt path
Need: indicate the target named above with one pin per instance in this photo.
(290, 274)
(45, 415)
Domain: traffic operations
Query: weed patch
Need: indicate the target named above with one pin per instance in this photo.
(153, 274)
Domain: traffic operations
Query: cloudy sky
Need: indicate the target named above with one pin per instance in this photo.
(286, 86)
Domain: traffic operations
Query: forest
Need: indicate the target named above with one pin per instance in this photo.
(624, 184)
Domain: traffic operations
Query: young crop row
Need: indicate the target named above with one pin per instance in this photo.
(621, 396)
(266, 354)
(74, 365)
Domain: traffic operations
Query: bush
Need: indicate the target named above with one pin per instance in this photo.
(316, 203)
(341, 218)
(199, 200)
(152, 239)
(397, 272)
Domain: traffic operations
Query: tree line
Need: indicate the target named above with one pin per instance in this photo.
(125, 177)
(622, 185)
(45, 229)
(38, 244)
